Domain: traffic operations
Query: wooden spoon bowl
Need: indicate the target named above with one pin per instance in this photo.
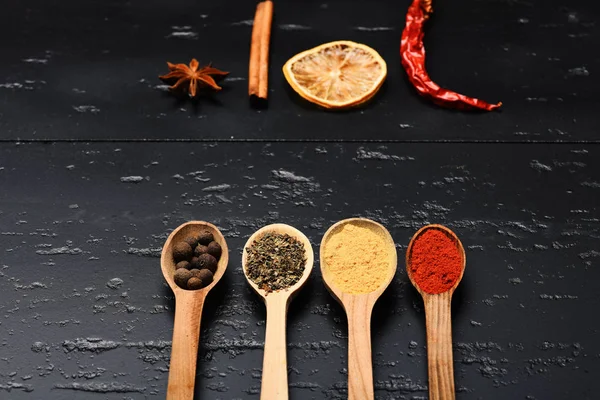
(358, 309)
(438, 322)
(452, 236)
(282, 229)
(274, 383)
(188, 311)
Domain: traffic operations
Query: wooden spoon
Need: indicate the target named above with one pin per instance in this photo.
(439, 325)
(358, 309)
(274, 384)
(188, 311)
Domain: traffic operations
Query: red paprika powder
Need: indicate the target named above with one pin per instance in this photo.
(436, 261)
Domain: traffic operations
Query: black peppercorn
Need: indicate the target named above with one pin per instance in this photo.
(181, 277)
(195, 272)
(200, 249)
(182, 264)
(192, 240)
(205, 237)
(214, 249)
(207, 261)
(182, 251)
(206, 276)
(195, 283)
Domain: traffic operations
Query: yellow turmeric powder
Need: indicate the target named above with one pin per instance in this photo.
(358, 258)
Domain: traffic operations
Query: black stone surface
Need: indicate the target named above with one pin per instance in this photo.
(88, 70)
(98, 164)
(86, 313)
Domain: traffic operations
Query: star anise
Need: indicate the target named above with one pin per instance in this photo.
(196, 77)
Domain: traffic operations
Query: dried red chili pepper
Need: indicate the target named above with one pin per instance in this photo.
(412, 52)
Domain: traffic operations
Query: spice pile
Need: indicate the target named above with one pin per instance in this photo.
(435, 261)
(196, 259)
(275, 261)
(358, 259)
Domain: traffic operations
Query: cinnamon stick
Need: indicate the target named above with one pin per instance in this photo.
(258, 74)
(265, 34)
(253, 69)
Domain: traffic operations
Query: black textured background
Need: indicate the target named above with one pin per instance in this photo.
(86, 202)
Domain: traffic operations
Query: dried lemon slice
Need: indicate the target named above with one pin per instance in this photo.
(338, 75)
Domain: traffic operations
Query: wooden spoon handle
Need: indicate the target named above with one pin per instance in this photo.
(439, 346)
(360, 368)
(184, 350)
(274, 384)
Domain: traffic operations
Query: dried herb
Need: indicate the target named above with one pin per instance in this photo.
(196, 77)
(275, 261)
